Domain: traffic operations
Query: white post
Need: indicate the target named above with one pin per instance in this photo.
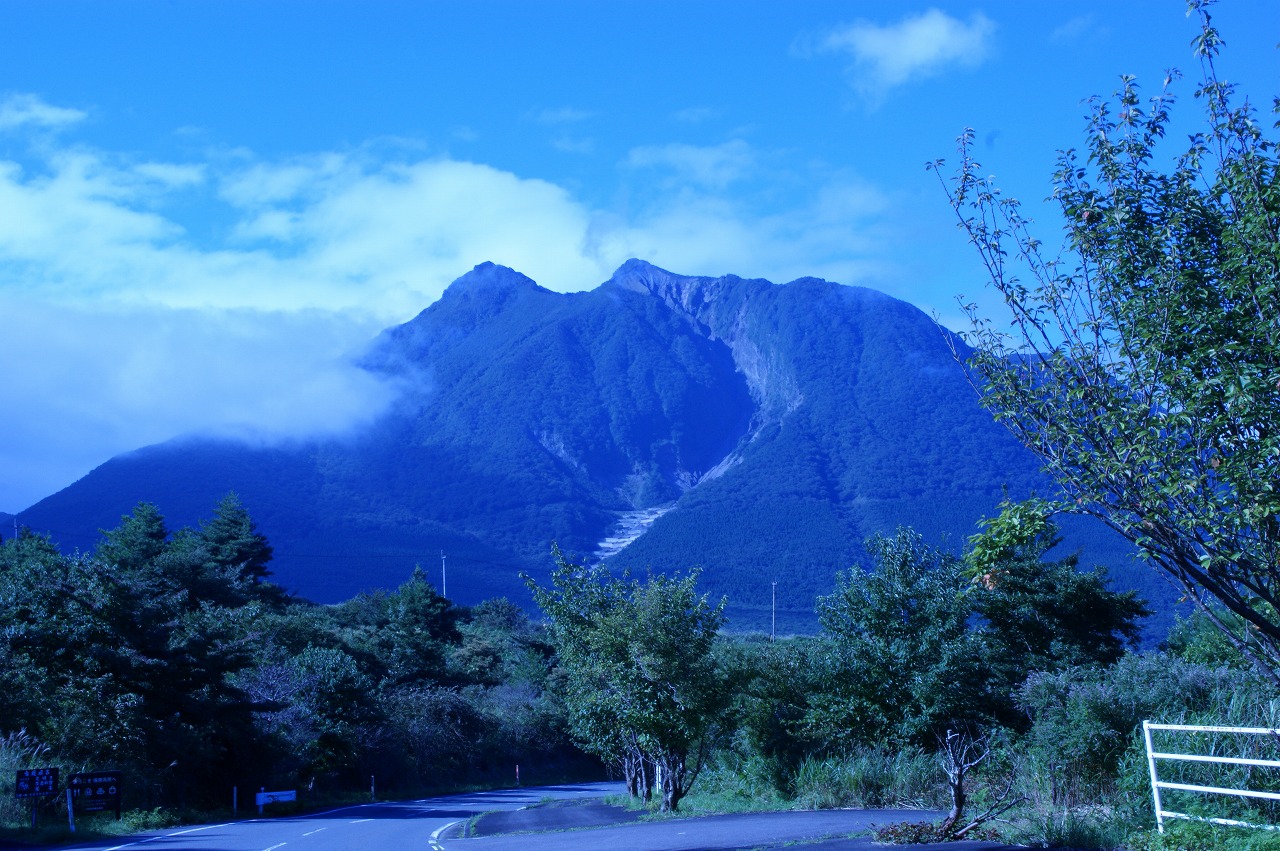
(1151, 766)
(71, 817)
(235, 794)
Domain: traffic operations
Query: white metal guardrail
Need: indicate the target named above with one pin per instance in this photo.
(1157, 784)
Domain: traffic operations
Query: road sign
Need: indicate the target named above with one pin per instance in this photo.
(95, 791)
(35, 782)
(264, 797)
(277, 797)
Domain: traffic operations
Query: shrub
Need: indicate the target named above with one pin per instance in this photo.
(1197, 836)
(1086, 721)
(871, 778)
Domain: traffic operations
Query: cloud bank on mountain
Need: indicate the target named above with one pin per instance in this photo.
(220, 291)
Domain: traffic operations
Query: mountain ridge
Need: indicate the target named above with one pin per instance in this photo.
(749, 428)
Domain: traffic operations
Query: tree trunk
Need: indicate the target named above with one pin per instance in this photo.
(961, 752)
(674, 788)
(646, 783)
(631, 772)
(956, 782)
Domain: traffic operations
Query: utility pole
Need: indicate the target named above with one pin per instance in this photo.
(444, 577)
(773, 632)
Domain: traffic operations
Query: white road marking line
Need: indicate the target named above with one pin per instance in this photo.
(360, 821)
(340, 809)
(166, 836)
(198, 829)
(274, 847)
(317, 830)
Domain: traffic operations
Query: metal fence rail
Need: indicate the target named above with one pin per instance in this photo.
(1157, 784)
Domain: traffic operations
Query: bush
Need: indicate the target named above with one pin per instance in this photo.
(736, 783)
(1097, 828)
(871, 778)
(1086, 721)
(1197, 836)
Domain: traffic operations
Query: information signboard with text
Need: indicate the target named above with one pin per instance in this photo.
(95, 791)
(35, 782)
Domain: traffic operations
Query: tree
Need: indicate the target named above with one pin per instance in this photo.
(1143, 366)
(330, 703)
(904, 662)
(128, 657)
(234, 542)
(138, 541)
(925, 641)
(771, 682)
(642, 684)
(405, 635)
(1040, 615)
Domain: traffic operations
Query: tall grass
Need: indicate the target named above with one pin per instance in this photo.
(871, 779)
(17, 751)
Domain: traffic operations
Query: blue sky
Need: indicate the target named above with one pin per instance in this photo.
(205, 207)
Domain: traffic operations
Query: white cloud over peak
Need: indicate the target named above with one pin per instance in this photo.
(887, 56)
(143, 299)
(96, 382)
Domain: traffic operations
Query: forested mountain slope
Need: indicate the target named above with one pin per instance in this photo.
(777, 425)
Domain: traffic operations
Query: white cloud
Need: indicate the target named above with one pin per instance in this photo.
(833, 235)
(1079, 27)
(331, 231)
(924, 45)
(563, 115)
(695, 115)
(123, 323)
(399, 232)
(570, 145)
(92, 383)
(26, 110)
(170, 176)
(713, 167)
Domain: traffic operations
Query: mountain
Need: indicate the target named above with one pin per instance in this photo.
(758, 431)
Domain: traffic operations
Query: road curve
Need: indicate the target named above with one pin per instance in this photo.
(362, 827)
(428, 823)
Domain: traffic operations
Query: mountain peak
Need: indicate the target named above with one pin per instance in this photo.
(688, 294)
(643, 276)
(488, 290)
(491, 276)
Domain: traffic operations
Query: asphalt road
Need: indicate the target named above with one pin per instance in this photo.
(756, 831)
(435, 824)
(364, 827)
